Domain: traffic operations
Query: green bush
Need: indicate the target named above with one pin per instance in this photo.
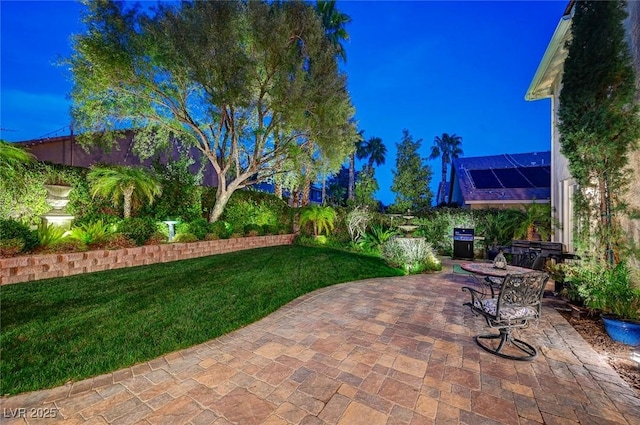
(10, 247)
(185, 237)
(199, 227)
(64, 245)
(12, 229)
(181, 192)
(138, 229)
(414, 255)
(221, 229)
(49, 234)
(92, 233)
(253, 207)
(253, 230)
(269, 229)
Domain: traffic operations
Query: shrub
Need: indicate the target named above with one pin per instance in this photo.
(64, 245)
(199, 227)
(11, 247)
(185, 238)
(269, 229)
(356, 222)
(253, 230)
(118, 241)
(321, 218)
(138, 229)
(49, 234)
(414, 255)
(92, 233)
(221, 229)
(12, 229)
(373, 240)
(253, 207)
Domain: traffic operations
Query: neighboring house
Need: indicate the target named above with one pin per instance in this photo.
(501, 181)
(65, 150)
(547, 83)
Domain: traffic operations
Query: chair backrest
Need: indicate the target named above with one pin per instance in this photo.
(523, 290)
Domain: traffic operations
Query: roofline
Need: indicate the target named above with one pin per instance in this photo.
(534, 92)
(510, 201)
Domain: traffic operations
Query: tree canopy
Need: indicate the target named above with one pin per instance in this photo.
(247, 83)
(599, 122)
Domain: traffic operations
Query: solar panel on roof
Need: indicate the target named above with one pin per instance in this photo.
(538, 176)
(511, 178)
(484, 179)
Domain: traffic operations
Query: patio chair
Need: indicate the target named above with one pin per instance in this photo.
(519, 301)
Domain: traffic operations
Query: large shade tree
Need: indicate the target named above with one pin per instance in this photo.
(599, 122)
(244, 82)
(447, 147)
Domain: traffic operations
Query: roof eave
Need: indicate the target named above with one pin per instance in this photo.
(541, 85)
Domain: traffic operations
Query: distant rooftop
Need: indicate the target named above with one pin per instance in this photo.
(505, 178)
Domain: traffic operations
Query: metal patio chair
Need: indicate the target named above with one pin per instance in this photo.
(518, 302)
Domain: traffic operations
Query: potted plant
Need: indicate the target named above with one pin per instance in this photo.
(611, 290)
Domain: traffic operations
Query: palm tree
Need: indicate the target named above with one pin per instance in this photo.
(132, 184)
(376, 151)
(334, 22)
(448, 148)
(359, 153)
(321, 217)
(11, 159)
(537, 219)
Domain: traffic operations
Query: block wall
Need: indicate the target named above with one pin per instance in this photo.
(36, 267)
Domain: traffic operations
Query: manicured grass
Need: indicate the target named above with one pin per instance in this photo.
(72, 328)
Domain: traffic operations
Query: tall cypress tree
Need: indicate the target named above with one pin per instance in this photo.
(412, 177)
(599, 122)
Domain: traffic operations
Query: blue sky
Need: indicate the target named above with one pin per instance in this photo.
(431, 67)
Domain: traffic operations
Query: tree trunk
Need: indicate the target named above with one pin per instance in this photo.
(277, 189)
(352, 177)
(306, 190)
(222, 197)
(444, 181)
(128, 197)
(324, 189)
(295, 198)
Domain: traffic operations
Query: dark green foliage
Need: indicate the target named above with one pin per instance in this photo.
(11, 229)
(222, 229)
(253, 230)
(599, 122)
(185, 237)
(138, 229)
(198, 227)
(253, 207)
(181, 191)
(269, 229)
(411, 177)
(101, 322)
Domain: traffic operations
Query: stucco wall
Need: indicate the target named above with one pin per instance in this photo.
(28, 268)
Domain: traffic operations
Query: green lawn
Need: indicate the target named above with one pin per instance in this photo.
(72, 328)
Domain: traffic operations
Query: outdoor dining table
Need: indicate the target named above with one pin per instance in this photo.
(488, 269)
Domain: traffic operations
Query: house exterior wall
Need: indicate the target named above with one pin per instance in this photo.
(562, 184)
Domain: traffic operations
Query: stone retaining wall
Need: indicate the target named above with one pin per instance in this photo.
(28, 268)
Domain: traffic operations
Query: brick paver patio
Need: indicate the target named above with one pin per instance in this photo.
(376, 352)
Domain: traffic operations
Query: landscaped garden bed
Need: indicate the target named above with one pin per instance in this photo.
(35, 267)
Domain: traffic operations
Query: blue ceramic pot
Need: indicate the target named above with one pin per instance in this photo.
(624, 331)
